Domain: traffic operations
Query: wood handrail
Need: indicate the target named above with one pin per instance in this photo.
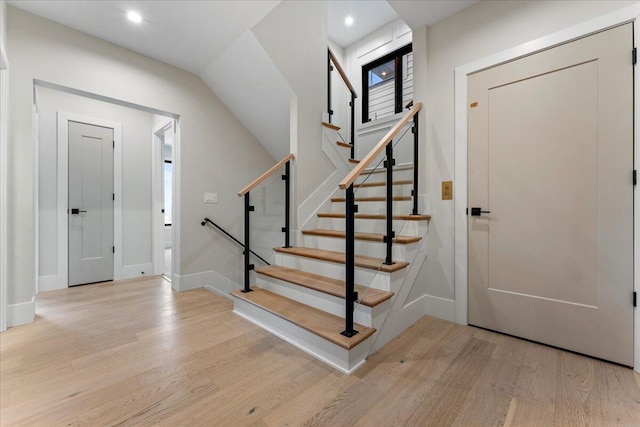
(265, 175)
(345, 79)
(364, 163)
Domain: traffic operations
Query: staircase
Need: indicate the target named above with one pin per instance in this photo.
(302, 296)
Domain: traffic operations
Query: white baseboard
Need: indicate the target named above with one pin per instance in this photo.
(399, 321)
(211, 280)
(221, 285)
(137, 270)
(48, 283)
(22, 313)
(441, 308)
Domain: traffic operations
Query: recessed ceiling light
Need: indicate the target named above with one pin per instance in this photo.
(348, 21)
(134, 17)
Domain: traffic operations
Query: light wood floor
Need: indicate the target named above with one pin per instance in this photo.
(135, 353)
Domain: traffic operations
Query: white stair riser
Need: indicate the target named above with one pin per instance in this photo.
(362, 276)
(403, 207)
(331, 304)
(398, 190)
(380, 174)
(400, 252)
(406, 228)
(344, 360)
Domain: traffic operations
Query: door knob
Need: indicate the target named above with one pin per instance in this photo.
(478, 211)
(76, 211)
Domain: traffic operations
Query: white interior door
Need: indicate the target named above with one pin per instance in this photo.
(90, 206)
(550, 143)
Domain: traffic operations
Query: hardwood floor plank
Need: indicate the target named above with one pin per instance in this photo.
(138, 353)
(577, 399)
(450, 392)
(534, 399)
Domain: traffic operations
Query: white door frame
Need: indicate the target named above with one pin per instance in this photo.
(4, 104)
(157, 197)
(63, 192)
(628, 14)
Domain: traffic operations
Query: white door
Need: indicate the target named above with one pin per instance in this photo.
(551, 160)
(90, 204)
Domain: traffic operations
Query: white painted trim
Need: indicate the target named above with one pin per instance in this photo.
(48, 283)
(4, 104)
(442, 308)
(175, 202)
(211, 280)
(157, 197)
(636, 200)
(628, 14)
(35, 125)
(21, 314)
(137, 270)
(63, 192)
(345, 361)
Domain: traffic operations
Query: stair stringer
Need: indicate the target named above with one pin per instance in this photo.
(320, 199)
(402, 314)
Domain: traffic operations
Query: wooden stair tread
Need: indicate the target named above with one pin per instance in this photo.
(344, 144)
(371, 199)
(339, 257)
(375, 216)
(382, 184)
(321, 323)
(328, 285)
(354, 161)
(373, 237)
(330, 126)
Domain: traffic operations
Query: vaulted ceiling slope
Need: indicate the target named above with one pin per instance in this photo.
(427, 12)
(187, 34)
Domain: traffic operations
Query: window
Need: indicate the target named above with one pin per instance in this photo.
(387, 84)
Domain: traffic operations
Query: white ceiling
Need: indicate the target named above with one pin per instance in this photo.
(192, 34)
(427, 12)
(368, 16)
(187, 34)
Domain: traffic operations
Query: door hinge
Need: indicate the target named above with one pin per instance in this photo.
(634, 56)
(113, 196)
(114, 144)
(635, 299)
(113, 249)
(635, 177)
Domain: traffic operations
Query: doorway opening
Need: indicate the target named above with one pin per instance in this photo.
(121, 204)
(164, 140)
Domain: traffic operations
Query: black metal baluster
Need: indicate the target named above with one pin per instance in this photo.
(287, 204)
(247, 248)
(416, 163)
(351, 295)
(389, 163)
(353, 125)
(329, 70)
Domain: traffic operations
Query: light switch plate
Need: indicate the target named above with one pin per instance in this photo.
(211, 197)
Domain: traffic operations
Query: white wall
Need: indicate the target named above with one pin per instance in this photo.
(136, 175)
(4, 102)
(371, 47)
(294, 35)
(340, 95)
(216, 152)
(483, 29)
(247, 81)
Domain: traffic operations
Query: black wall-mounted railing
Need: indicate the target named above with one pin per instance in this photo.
(208, 221)
(331, 62)
(248, 208)
(385, 144)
